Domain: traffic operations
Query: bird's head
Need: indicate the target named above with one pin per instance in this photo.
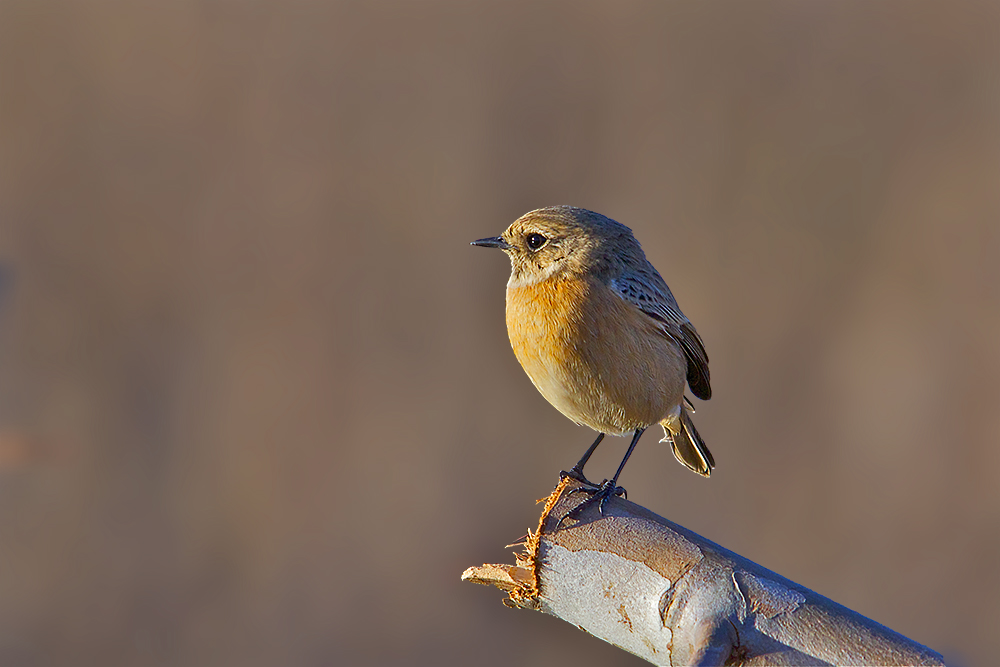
(558, 240)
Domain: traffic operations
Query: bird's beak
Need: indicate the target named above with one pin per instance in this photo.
(494, 242)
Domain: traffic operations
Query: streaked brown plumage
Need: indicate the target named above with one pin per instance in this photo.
(597, 330)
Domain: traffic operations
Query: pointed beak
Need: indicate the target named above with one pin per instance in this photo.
(494, 242)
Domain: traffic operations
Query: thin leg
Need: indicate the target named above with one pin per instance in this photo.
(609, 487)
(576, 472)
(635, 441)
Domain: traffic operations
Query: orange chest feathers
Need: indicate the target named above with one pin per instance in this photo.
(544, 322)
(571, 321)
(597, 358)
(594, 356)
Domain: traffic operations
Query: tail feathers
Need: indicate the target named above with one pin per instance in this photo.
(688, 446)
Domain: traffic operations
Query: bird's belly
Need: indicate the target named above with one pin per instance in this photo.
(594, 357)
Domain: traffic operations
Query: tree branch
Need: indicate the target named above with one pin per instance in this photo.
(669, 596)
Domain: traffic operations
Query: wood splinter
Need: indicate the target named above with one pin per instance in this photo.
(672, 597)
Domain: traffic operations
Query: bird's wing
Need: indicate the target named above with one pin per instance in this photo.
(647, 291)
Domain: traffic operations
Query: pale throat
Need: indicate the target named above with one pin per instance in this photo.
(525, 278)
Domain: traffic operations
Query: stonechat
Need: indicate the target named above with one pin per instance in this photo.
(600, 335)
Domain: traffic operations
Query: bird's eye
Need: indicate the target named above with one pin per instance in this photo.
(535, 241)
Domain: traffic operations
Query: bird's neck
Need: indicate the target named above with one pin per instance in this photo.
(526, 277)
(557, 299)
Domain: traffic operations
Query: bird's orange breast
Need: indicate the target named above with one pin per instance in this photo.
(597, 358)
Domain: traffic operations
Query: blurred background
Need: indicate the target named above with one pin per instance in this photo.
(257, 402)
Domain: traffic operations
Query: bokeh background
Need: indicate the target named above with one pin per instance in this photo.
(257, 403)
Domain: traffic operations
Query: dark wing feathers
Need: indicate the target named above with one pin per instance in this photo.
(646, 290)
(694, 350)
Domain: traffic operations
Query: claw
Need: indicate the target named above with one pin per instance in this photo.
(576, 473)
(601, 494)
(608, 490)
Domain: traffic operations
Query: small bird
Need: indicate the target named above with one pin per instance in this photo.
(600, 335)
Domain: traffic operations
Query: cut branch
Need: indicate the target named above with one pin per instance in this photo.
(671, 597)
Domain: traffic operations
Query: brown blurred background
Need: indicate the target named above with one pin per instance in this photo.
(257, 403)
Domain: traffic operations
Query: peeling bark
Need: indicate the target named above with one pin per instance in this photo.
(671, 597)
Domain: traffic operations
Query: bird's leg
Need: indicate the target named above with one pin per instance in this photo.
(576, 472)
(621, 466)
(608, 488)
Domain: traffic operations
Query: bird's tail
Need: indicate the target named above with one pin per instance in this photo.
(688, 446)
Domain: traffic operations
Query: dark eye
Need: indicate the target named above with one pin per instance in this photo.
(535, 241)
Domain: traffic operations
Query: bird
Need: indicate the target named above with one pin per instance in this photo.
(600, 335)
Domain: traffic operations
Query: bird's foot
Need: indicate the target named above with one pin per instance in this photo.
(599, 494)
(576, 473)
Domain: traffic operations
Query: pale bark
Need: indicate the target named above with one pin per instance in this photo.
(671, 597)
